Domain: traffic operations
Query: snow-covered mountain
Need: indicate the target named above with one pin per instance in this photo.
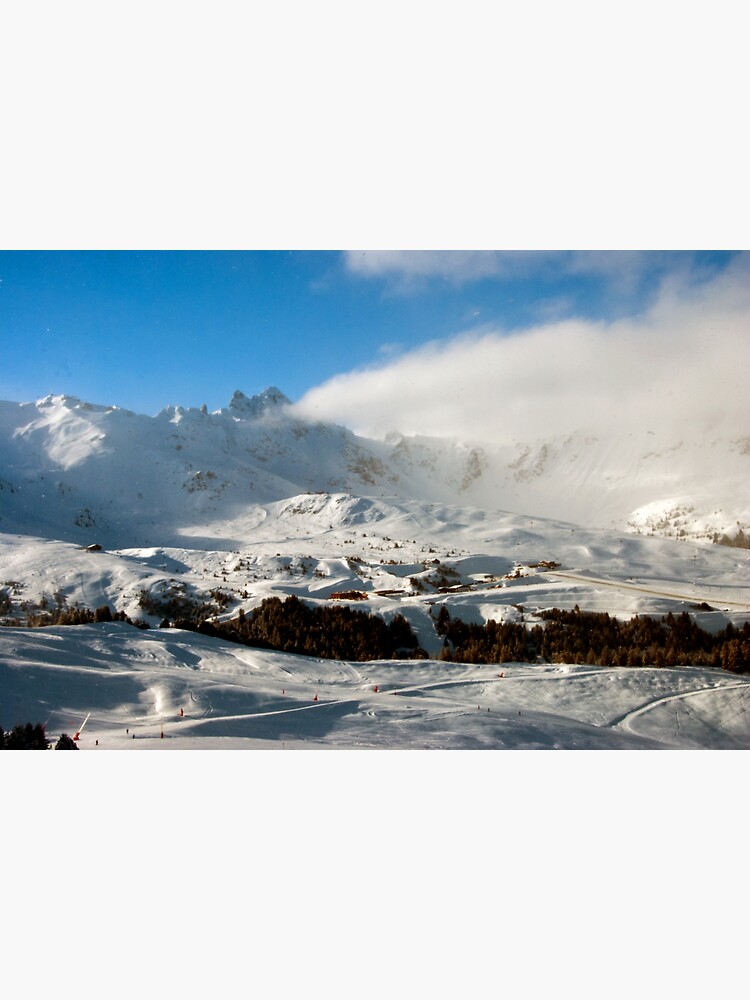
(102, 506)
(79, 472)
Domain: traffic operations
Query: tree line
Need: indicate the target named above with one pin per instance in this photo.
(738, 541)
(344, 633)
(78, 615)
(32, 737)
(333, 632)
(597, 639)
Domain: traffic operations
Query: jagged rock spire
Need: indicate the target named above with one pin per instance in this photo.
(242, 405)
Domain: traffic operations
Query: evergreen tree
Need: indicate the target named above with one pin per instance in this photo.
(26, 737)
(443, 620)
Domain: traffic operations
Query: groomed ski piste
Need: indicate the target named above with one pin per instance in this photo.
(115, 687)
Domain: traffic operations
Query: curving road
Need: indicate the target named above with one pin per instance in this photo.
(617, 585)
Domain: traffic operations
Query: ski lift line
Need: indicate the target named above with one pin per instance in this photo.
(138, 718)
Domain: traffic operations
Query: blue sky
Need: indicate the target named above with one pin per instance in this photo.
(144, 329)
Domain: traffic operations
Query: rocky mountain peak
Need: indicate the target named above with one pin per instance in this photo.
(254, 406)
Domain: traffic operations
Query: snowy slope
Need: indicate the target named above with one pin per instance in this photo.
(399, 556)
(100, 506)
(249, 500)
(203, 693)
(74, 471)
(70, 470)
(636, 481)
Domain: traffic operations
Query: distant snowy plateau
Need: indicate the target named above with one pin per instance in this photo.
(102, 506)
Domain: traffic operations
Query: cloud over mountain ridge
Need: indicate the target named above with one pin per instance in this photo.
(70, 468)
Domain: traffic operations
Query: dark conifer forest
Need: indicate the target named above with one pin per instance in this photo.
(576, 636)
(24, 737)
(330, 631)
(343, 633)
(597, 639)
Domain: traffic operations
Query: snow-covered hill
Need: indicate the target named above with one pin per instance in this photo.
(101, 506)
(130, 687)
(75, 471)
(72, 470)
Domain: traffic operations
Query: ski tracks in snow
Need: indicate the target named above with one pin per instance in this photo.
(625, 721)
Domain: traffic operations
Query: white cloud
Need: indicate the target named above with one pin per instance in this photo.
(405, 270)
(458, 266)
(683, 365)
(407, 267)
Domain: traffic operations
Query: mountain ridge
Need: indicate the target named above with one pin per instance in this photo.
(69, 467)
